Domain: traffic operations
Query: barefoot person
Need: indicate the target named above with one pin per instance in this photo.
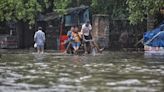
(68, 42)
(86, 34)
(39, 39)
(76, 39)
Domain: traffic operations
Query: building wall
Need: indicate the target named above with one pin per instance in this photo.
(24, 35)
(52, 34)
(118, 27)
(100, 31)
(108, 32)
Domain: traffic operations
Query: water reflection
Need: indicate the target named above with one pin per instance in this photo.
(109, 72)
(154, 54)
(76, 59)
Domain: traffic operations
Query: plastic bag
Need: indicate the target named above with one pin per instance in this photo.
(35, 45)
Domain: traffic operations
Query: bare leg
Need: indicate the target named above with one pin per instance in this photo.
(42, 50)
(38, 50)
(85, 48)
(68, 46)
(97, 47)
(77, 48)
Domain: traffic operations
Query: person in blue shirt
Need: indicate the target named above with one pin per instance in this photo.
(70, 38)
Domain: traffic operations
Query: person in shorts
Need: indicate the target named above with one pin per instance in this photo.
(39, 39)
(87, 37)
(76, 39)
(86, 33)
(68, 42)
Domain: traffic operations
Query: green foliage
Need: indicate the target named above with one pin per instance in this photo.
(139, 9)
(61, 5)
(115, 8)
(135, 10)
(15, 10)
(27, 10)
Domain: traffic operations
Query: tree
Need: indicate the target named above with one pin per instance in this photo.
(115, 8)
(27, 10)
(15, 10)
(61, 5)
(139, 9)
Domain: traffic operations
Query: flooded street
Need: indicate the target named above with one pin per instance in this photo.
(110, 72)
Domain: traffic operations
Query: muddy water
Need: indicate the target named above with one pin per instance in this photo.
(110, 72)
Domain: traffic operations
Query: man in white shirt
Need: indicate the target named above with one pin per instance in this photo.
(86, 34)
(87, 37)
(86, 30)
(39, 39)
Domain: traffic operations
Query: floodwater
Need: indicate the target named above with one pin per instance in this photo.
(108, 72)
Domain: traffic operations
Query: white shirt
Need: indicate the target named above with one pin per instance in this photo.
(86, 30)
(39, 37)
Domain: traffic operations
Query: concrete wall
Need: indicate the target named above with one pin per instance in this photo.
(100, 24)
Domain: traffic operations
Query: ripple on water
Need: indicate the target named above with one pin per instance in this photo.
(133, 89)
(112, 72)
(129, 82)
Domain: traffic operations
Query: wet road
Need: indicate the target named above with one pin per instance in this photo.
(110, 72)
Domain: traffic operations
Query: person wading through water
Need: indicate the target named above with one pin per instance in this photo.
(68, 42)
(39, 39)
(76, 39)
(86, 34)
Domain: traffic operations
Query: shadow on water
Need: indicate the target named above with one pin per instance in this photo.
(109, 72)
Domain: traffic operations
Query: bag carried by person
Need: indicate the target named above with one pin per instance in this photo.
(35, 45)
